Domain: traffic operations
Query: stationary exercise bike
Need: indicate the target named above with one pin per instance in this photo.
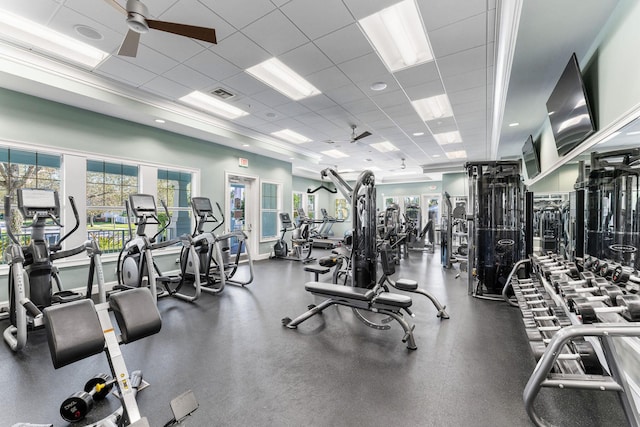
(32, 275)
(302, 245)
(136, 267)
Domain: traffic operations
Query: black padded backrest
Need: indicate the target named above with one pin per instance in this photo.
(73, 332)
(386, 259)
(136, 313)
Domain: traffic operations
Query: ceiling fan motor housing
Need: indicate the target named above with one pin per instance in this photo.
(136, 13)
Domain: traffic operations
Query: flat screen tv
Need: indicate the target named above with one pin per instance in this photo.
(531, 158)
(569, 111)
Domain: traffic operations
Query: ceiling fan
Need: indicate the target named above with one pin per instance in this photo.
(138, 23)
(354, 137)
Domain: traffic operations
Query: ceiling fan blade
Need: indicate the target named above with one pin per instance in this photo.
(362, 135)
(129, 46)
(200, 33)
(117, 6)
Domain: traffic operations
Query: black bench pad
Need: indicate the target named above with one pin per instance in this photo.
(339, 291)
(317, 269)
(406, 284)
(73, 332)
(394, 300)
(136, 313)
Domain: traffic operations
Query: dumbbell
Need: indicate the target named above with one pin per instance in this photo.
(627, 277)
(626, 305)
(607, 269)
(608, 295)
(77, 406)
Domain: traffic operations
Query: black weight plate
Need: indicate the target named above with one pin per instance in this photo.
(75, 407)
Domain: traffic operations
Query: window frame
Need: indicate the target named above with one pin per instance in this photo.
(277, 210)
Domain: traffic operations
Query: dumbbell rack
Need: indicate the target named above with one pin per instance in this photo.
(571, 355)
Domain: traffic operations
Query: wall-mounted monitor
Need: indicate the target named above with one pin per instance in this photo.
(531, 157)
(568, 109)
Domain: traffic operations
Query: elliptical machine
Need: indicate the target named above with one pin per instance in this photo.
(32, 274)
(136, 267)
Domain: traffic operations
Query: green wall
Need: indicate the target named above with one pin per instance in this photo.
(30, 120)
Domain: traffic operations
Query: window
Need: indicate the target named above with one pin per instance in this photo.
(306, 202)
(174, 188)
(108, 187)
(26, 169)
(270, 201)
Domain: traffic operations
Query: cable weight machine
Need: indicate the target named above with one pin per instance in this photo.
(496, 225)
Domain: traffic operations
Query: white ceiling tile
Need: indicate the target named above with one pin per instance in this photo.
(124, 71)
(212, 65)
(192, 12)
(306, 59)
(244, 83)
(467, 95)
(271, 98)
(65, 20)
(425, 90)
(317, 102)
(267, 128)
(275, 42)
(240, 13)
(344, 44)
(459, 36)
(41, 11)
(364, 69)
(390, 98)
(279, 2)
(475, 78)
(363, 8)
(462, 62)
(166, 87)
(241, 51)
(189, 77)
(440, 13)
(470, 107)
(357, 107)
(417, 75)
(292, 109)
(311, 119)
(327, 79)
(345, 94)
(317, 18)
(151, 60)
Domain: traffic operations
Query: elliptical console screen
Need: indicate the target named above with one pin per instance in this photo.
(142, 203)
(32, 201)
(201, 205)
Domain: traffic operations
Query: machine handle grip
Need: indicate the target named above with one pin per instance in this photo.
(30, 307)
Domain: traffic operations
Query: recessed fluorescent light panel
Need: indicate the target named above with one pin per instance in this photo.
(435, 107)
(460, 154)
(283, 79)
(384, 146)
(397, 34)
(291, 136)
(448, 137)
(41, 38)
(213, 105)
(336, 154)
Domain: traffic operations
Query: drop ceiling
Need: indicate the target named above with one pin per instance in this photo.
(322, 41)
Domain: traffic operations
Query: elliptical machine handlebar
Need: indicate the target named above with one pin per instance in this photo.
(58, 245)
(7, 219)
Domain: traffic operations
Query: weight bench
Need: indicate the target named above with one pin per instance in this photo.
(80, 329)
(407, 285)
(317, 270)
(360, 298)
